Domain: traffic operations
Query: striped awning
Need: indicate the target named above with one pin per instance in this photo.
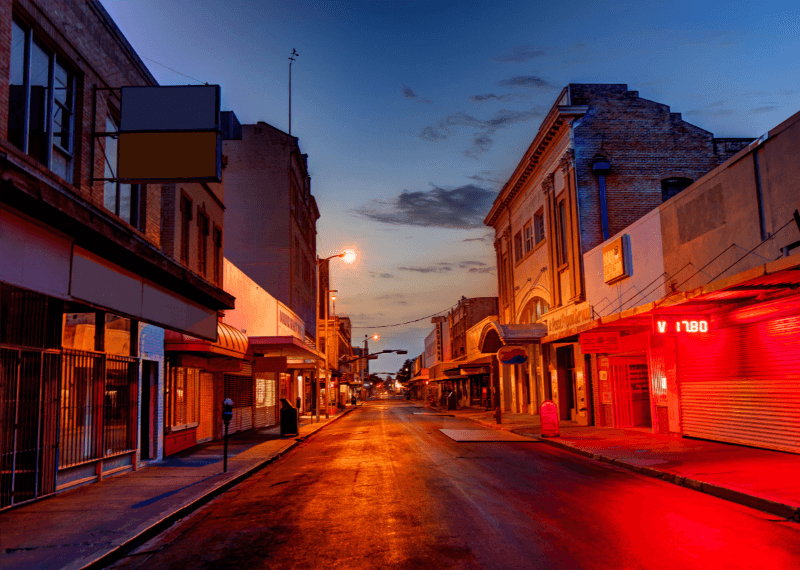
(230, 342)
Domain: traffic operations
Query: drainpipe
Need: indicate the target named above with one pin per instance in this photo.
(600, 167)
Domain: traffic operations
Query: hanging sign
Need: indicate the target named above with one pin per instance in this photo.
(615, 255)
(681, 324)
(512, 355)
(599, 342)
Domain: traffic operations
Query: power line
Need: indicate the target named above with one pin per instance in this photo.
(174, 70)
(407, 322)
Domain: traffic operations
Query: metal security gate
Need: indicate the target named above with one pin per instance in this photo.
(742, 384)
(28, 424)
(239, 388)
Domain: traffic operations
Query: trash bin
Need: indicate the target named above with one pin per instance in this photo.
(290, 424)
(451, 401)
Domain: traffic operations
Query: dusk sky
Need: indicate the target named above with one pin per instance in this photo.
(414, 114)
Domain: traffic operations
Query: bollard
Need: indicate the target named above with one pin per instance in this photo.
(497, 415)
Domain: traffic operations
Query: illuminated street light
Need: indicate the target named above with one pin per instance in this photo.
(349, 256)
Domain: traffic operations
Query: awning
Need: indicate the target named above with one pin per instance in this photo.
(288, 346)
(495, 335)
(230, 342)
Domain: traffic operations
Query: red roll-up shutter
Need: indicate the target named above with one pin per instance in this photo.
(741, 384)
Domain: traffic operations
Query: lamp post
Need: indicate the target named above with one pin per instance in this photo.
(327, 350)
(349, 256)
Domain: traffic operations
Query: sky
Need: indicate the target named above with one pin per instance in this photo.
(415, 113)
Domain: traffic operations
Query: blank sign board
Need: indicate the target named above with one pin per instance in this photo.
(172, 108)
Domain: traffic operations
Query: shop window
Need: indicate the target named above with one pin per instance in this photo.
(41, 110)
(123, 200)
(527, 231)
(79, 331)
(518, 246)
(182, 397)
(117, 335)
(186, 218)
(538, 227)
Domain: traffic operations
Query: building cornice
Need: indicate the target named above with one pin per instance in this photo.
(552, 124)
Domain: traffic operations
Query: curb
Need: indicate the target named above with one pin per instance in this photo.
(121, 550)
(782, 510)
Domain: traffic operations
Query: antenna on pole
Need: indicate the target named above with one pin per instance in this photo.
(291, 60)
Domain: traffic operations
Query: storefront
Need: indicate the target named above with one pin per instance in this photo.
(200, 374)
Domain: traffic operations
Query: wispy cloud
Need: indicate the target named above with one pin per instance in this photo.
(520, 54)
(481, 269)
(486, 238)
(529, 81)
(715, 109)
(485, 176)
(428, 269)
(764, 109)
(390, 296)
(463, 207)
(492, 96)
(381, 275)
(408, 93)
(485, 129)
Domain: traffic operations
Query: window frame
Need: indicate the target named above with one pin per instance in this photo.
(51, 104)
(518, 253)
(203, 224)
(527, 236)
(138, 192)
(561, 237)
(539, 235)
(217, 243)
(186, 227)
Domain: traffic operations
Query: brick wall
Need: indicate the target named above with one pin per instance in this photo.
(645, 144)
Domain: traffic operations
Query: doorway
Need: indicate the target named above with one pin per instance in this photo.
(565, 360)
(630, 386)
(147, 437)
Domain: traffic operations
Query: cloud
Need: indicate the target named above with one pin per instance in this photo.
(484, 128)
(485, 176)
(711, 110)
(381, 275)
(533, 81)
(520, 54)
(390, 296)
(439, 268)
(481, 269)
(765, 109)
(488, 96)
(409, 94)
(465, 264)
(463, 207)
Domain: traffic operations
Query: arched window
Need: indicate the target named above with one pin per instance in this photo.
(533, 311)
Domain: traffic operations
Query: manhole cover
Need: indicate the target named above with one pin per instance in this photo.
(483, 435)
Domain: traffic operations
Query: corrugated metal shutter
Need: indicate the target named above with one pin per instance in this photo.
(742, 384)
(205, 429)
(239, 388)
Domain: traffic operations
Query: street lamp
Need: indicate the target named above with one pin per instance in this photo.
(349, 256)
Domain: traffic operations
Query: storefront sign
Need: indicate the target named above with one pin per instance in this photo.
(599, 342)
(289, 324)
(615, 254)
(512, 355)
(681, 324)
(549, 419)
(570, 317)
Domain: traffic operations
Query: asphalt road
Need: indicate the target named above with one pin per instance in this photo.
(384, 488)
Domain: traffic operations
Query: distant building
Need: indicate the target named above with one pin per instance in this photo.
(603, 157)
(271, 216)
(467, 313)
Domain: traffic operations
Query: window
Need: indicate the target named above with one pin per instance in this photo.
(217, 255)
(124, 200)
(518, 246)
(186, 218)
(202, 243)
(41, 110)
(562, 233)
(538, 227)
(297, 253)
(673, 186)
(182, 395)
(527, 231)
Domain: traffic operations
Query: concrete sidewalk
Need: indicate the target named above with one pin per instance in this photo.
(89, 527)
(758, 478)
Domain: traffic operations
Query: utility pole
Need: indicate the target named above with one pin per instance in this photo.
(291, 60)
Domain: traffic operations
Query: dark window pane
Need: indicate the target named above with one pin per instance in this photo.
(125, 202)
(40, 66)
(16, 104)
(63, 93)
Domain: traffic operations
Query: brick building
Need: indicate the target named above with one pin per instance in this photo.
(602, 158)
(86, 289)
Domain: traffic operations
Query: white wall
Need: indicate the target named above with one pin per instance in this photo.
(646, 272)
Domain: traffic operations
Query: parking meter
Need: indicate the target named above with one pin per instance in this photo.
(227, 416)
(227, 411)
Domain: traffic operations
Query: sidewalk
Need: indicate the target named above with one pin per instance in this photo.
(758, 478)
(90, 526)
